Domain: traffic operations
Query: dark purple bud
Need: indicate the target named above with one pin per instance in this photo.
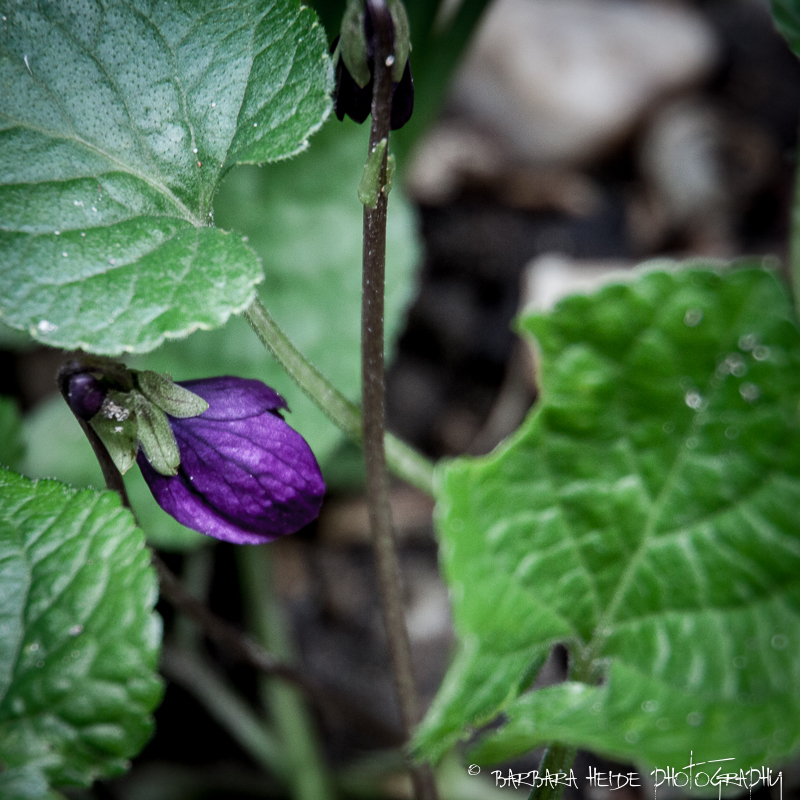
(245, 476)
(402, 99)
(355, 101)
(85, 395)
(348, 97)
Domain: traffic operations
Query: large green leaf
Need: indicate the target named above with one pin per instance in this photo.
(117, 122)
(304, 220)
(646, 514)
(79, 637)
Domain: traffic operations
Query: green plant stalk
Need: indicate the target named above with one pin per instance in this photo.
(557, 758)
(189, 670)
(196, 577)
(306, 774)
(560, 758)
(404, 461)
(373, 396)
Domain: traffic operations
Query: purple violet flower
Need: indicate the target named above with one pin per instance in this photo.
(245, 476)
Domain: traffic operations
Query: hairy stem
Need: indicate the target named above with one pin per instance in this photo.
(373, 396)
(404, 461)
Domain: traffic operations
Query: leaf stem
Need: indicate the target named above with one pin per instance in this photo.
(404, 461)
(558, 757)
(373, 396)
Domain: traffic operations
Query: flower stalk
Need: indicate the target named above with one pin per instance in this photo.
(373, 393)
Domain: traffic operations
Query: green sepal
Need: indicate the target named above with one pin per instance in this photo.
(116, 424)
(156, 436)
(168, 396)
(402, 38)
(370, 187)
(353, 43)
(391, 166)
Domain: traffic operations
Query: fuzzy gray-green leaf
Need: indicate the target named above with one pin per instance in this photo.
(353, 43)
(120, 438)
(116, 125)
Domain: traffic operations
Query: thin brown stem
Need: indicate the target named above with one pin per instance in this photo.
(373, 402)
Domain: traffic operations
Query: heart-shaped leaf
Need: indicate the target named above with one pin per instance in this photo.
(117, 122)
(646, 515)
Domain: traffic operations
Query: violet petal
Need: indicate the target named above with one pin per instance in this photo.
(245, 476)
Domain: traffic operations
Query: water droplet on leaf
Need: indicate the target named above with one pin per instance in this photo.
(693, 317)
(779, 641)
(749, 392)
(693, 399)
(748, 341)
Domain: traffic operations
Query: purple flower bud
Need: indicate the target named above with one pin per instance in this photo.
(355, 101)
(245, 476)
(85, 395)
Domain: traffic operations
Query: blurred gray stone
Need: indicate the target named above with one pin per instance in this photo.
(563, 80)
(680, 156)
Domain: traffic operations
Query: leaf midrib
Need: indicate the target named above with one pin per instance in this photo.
(596, 642)
(159, 187)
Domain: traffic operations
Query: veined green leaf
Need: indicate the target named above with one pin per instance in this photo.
(80, 640)
(645, 514)
(117, 122)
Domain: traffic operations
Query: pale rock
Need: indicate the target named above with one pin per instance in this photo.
(563, 80)
(552, 277)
